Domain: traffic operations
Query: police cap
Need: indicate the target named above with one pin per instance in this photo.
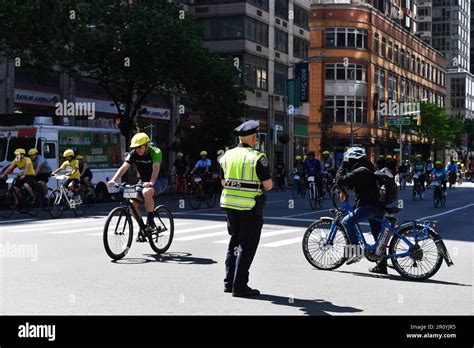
(247, 128)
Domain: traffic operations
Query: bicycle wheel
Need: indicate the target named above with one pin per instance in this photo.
(414, 193)
(7, 204)
(33, 207)
(194, 197)
(443, 200)
(45, 203)
(56, 204)
(296, 188)
(421, 194)
(436, 198)
(118, 233)
(319, 255)
(313, 199)
(79, 205)
(424, 261)
(90, 197)
(211, 198)
(160, 239)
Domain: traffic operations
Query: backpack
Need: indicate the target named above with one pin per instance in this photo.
(387, 187)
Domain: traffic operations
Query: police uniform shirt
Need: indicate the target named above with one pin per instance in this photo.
(263, 170)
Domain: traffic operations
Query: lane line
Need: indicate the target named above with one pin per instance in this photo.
(202, 228)
(13, 221)
(78, 230)
(267, 234)
(446, 212)
(284, 242)
(312, 212)
(200, 236)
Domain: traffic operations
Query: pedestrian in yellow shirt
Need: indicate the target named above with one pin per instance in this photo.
(26, 179)
(72, 166)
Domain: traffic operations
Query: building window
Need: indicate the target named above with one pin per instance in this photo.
(392, 86)
(384, 47)
(281, 41)
(300, 48)
(390, 51)
(423, 69)
(256, 31)
(263, 4)
(379, 82)
(402, 58)
(346, 37)
(301, 17)
(345, 108)
(353, 72)
(224, 28)
(255, 72)
(281, 8)
(376, 43)
(418, 66)
(413, 66)
(280, 78)
(395, 52)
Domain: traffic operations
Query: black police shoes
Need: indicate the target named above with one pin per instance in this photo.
(246, 293)
(381, 268)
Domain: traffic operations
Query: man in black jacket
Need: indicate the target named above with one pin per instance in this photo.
(357, 172)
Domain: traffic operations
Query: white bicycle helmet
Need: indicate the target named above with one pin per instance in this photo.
(354, 152)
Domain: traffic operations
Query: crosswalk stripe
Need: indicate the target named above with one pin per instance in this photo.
(202, 228)
(267, 234)
(38, 225)
(200, 236)
(284, 242)
(13, 221)
(77, 230)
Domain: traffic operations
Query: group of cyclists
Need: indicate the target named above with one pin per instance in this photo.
(424, 172)
(35, 170)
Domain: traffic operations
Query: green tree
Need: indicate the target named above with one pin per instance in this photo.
(131, 50)
(437, 126)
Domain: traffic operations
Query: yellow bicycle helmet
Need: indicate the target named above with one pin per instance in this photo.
(418, 155)
(32, 152)
(80, 157)
(388, 157)
(298, 158)
(139, 139)
(180, 154)
(19, 151)
(68, 153)
(326, 153)
(203, 153)
(438, 162)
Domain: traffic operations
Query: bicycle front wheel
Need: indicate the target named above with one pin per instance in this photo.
(80, 204)
(118, 233)
(313, 199)
(211, 198)
(56, 204)
(319, 254)
(161, 238)
(194, 198)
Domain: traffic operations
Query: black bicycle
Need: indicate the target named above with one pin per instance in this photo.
(328, 184)
(200, 190)
(417, 189)
(24, 203)
(118, 229)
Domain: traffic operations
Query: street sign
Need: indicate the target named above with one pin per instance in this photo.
(396, 121)
(396, 150)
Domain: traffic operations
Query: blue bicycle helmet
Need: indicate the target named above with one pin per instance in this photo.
(354, 152)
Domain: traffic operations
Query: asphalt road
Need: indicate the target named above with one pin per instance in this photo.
(65, 269)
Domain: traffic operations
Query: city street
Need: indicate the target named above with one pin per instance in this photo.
(68, 272)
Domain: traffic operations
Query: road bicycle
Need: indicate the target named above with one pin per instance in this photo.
(24, 205)
(439, 195)
(415, 248)
(280, 182)
(417, 189)
(452, 179)
(327, 185)
(299, 186)
(118, 229)
(62, 199)
(313, 194)
(402, 181)
(200, 191)
(180, 187)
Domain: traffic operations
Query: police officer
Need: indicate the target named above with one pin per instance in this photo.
(246, 174)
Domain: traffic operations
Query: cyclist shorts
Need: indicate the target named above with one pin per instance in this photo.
(29, 179)
(68, 181)
(159, 186)
(44, 177)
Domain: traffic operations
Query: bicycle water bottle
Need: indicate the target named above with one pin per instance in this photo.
(383, 241)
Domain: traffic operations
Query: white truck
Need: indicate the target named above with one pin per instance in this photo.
(102, 148)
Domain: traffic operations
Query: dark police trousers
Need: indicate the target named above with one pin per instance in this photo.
(245, 228)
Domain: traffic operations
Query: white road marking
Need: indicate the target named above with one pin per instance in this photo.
(312, 212)
(201, 228)
(13, 221)
(267, 234)
(200, 236)
(284, 242)
(446, 212)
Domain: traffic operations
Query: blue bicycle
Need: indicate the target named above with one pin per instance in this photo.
(415, 248)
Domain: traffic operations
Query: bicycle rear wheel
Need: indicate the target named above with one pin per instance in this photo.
(160, 239)
(424, 261)
(56, 204)
(211, 198)
(7, 204)
(313, 199)
(118, 233)
(319, 255)
(194, 197)
(79, 203)
(296, 188)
